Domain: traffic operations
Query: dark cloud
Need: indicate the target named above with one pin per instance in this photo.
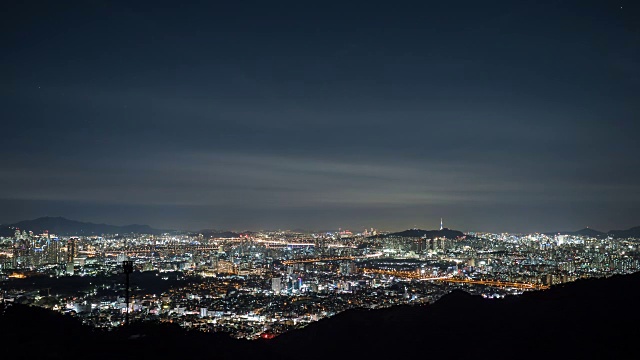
(499, 116)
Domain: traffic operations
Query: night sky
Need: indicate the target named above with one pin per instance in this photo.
(514, 116)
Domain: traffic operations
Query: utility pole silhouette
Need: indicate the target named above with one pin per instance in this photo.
(127, 267)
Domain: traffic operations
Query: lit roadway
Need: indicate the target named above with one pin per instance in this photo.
(304, 261)
(449, 278)
(333, 258)
(281, 242)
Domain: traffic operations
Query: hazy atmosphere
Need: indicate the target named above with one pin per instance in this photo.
(322, 115)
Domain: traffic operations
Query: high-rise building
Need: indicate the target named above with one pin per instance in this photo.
(22, 250)
(276, 284)
(347, 268)
(53, 251)
(204, 312)
(71, 254)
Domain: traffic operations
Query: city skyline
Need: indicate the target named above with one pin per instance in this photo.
(319, 180)
(264, 285)
(500, 116)
(57, 221)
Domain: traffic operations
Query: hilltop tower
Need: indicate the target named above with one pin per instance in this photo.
(441, 224)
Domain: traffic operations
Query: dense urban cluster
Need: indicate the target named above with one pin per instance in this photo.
(266, 283)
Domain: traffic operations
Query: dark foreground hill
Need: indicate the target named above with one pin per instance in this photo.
(587, 319)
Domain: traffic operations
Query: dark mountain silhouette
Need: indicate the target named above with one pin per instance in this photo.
(590, 232)
(632, 232)
(418, 233)
(36, 333)
(586, 319)
(63, 226)
(213, 233)
(582, 232)
(573, 321)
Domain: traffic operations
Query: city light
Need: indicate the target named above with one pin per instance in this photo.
(285, 280)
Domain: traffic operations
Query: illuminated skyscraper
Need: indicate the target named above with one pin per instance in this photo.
(71, 254)
(276, 285)
(53, 251)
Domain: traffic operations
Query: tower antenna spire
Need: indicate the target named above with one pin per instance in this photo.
(441, 224)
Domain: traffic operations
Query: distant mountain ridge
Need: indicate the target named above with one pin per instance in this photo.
(628, 233)
(419, 233)
(582, 232)
(213, 233)
(63, 226)
(632, 232)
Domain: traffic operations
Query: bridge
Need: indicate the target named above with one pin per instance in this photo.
(312, 260)
(449, 278)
